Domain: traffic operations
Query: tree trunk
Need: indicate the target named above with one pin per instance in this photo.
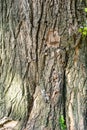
(43, 64)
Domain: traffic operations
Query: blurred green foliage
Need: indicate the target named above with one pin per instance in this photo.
(83, 28)
(62, 123)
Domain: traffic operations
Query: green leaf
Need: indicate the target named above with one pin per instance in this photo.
(62, 123)
(84, 33)
(85, 10)
(62, 119)
(85, 29)
(80, 30)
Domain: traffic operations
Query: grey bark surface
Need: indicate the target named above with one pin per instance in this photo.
(43, 64)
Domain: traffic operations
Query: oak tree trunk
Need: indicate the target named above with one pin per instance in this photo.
(43, 64)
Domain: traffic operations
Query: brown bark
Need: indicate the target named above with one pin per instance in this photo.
(43, 64)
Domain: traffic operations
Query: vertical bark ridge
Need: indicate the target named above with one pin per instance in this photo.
(34, 75)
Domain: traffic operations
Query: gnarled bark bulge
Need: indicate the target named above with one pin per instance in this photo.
(43, 64)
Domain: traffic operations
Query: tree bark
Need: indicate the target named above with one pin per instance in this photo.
(43, 64)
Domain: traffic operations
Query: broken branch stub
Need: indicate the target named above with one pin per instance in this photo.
(53, 39)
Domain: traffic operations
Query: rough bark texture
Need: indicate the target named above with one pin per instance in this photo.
(43, 64)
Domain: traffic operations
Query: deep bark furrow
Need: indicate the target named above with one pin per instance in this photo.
(39, 82)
